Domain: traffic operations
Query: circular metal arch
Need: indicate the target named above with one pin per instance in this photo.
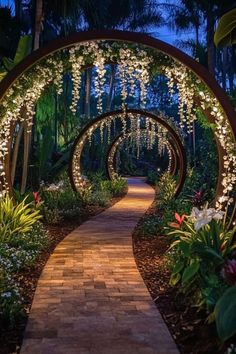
(120, 138)
(96, 122)
(131, 37)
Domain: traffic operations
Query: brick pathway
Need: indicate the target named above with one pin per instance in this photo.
(90, 298)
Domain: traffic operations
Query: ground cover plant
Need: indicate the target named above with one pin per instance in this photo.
(22, 238)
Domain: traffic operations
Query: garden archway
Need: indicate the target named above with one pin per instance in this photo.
(112, 151)
(74, 166)
(211, 97)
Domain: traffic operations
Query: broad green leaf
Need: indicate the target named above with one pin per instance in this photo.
(185, 248)
(8, 63)
(178, 267)
(174, 279)
(190, 271)
(225, 314)
(3, 73)
(23, 49)
(225, 34)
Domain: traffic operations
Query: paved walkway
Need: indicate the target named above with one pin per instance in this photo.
(90, 298)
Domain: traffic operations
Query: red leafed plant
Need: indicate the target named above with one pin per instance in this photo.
(179, 219)
(37, 198)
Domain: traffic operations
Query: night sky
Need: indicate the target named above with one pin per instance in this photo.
(164, 33)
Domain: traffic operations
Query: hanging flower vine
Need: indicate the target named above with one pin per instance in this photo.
(135, 64)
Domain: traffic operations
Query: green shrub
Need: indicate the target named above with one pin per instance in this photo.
(225, 314)
(85, 195)
(150, 226)
(10, 300)
(16, 255)
(101, 198)
(202, 246)
(57, 199)
(16, 219)
(71, 212)
(22, 251)
(118, 186)
(166, 188)
(60, 198)
(51, 216)
(153, 177)
(104, 186)
(96, 178)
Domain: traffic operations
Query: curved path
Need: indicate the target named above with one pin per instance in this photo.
(90, 298)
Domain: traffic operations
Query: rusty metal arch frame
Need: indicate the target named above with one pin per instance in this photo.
(174, 137)
(174, 155)
(131, 37)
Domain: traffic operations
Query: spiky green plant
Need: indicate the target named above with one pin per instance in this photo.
(16, 219)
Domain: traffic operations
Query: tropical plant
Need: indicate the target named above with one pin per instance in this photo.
(85, 194)
(225, 314)
(225, 34)
(202, 244)
(10, 300)
(23, 49)
(16, 219)
(118, 186)
(152, 177)
(166, 188)
(150, 226)
(100, 197)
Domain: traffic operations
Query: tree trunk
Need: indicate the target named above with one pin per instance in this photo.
(27, 140)
(231, 72)
(15, 153)
(197, 36)
(210, 44)
(224, 67)
(38, 23)
(28, 136)
(18, 13)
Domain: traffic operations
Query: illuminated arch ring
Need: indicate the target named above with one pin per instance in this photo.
(74, 165)
(170, 146)
(123, 36)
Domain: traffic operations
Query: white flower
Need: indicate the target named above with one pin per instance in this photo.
(204, 216)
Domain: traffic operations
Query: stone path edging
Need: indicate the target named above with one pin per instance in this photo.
(90, 298)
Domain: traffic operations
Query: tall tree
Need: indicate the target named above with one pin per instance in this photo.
(196, 13)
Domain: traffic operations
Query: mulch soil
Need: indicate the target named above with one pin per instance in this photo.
(11, 339)
(187, 326)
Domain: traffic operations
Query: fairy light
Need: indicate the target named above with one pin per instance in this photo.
(134, 63)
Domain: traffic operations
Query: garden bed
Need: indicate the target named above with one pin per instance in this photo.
(186, 325)
(11, 339)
